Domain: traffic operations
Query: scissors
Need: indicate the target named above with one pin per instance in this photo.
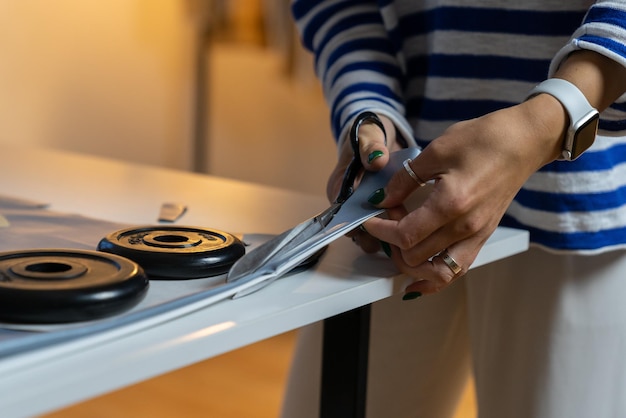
(282, 254)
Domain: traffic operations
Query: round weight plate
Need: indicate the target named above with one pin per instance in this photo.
(46, 286)
(176, 252)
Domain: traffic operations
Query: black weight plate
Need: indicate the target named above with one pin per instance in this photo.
(176, 252)
(51, 286)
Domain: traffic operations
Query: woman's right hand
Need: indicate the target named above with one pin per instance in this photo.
(374, 152)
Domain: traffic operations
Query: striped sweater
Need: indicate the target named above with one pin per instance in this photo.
(428, 64)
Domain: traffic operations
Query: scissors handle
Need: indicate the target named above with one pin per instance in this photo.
(347, 185)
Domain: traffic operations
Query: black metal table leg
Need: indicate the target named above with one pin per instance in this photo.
(344, 364)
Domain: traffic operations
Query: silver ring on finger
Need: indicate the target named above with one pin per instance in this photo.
(406, 163)
(450, 262)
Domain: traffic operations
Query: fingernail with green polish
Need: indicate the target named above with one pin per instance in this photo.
(376, 197)
(411, 295)
(374, 155)
(386, 248)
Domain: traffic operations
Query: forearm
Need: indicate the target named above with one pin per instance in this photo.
(354, 59)
(599, 78)
(595, 61)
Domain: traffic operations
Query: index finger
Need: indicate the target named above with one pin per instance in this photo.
(406, 230)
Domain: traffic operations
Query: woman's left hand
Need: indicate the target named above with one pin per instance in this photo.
(477, 166)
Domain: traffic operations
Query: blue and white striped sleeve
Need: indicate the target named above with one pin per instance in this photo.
(603, 30)
(354, 59)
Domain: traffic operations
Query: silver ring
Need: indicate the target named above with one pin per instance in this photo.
(450, 262)
(409, 170)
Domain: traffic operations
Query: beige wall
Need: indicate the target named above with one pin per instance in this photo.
(110, 77)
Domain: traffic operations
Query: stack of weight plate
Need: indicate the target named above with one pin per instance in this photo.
(52, 286)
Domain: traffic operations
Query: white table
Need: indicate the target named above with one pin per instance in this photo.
(53, 377)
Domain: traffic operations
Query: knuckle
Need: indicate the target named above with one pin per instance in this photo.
(469, 226)
(459, 204)
(446, 278)
(410, 262)
(405, 240)
(460, 211)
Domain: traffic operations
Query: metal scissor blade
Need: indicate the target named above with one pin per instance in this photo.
(256, 258)
(292, 238)
(280, 255)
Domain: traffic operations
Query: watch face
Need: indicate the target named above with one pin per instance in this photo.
(585, 135)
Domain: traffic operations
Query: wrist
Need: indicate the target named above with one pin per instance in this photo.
(548, 121)
(582, 118)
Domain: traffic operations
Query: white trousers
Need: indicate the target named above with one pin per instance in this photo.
(544, 334)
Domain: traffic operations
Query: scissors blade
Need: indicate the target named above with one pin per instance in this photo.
(283, 253)
(258, 257)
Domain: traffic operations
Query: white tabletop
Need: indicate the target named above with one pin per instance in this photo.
(59, 375)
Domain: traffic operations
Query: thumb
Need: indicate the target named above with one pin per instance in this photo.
(401, 185)
(373, 143)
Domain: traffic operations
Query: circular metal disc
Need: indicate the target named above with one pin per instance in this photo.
(46, 286)
(176, 252)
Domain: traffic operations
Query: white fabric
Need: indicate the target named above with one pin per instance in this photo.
(547, 335)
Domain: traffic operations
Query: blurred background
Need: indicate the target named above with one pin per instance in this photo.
(218, 87)
(221, 87)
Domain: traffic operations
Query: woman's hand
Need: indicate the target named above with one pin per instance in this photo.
(374, 156)
(477, 167)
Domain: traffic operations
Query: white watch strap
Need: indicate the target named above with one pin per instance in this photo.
(578, 108)
(568, 94)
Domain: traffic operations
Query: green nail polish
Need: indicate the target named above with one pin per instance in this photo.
(376, 197)
(386, 248)
(374, 155)
(411, 295)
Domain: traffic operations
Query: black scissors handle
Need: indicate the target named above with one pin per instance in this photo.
(347, 185)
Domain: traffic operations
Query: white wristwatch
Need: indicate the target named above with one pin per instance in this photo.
(583, 118)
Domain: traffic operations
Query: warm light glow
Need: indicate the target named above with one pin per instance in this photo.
(213, 329)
